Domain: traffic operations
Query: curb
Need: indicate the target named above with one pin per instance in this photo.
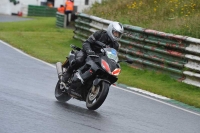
(162, 98)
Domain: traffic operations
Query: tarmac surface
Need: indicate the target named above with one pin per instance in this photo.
(28, 105)
(12, 18)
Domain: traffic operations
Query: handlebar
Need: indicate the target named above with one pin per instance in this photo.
(93, 56)
(100, 44)
(75, 47)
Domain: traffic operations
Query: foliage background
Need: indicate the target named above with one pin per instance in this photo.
(172, 16)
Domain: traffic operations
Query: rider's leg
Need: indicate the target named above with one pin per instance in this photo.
(80, 78)
(78, 62)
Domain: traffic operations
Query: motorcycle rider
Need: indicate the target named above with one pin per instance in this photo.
(110, 37)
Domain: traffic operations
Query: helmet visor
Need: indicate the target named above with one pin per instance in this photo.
(116, 34)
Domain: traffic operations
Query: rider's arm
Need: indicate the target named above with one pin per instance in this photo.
(116, 45)
(90, 41)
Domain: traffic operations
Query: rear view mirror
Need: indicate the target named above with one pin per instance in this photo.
(129, 61)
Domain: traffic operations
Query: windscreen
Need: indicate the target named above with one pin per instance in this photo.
(112, 54)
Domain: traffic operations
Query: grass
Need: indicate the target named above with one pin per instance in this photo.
(40, 38)
(160, 84)
(172, 16)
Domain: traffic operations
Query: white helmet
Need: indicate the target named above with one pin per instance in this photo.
(115, 31)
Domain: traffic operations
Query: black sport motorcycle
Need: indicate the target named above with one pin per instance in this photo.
(101, 70)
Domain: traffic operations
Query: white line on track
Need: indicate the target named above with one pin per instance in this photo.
(148, 97)
(26, 54)
(148, 93)
(157, 100)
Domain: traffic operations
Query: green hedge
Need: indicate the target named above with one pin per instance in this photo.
(43, 11)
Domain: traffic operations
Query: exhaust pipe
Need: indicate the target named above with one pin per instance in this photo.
(59, 70)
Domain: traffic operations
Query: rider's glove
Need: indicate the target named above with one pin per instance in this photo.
(90, 52)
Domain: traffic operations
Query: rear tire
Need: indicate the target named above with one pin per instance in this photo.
(94, 103)
(61, 96)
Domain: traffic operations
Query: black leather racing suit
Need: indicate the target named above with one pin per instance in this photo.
(88, 46)
(101, 36)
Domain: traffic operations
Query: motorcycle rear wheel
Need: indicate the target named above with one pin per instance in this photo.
(94, 101)
(61, 96)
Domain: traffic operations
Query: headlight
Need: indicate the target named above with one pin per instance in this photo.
(116, 72)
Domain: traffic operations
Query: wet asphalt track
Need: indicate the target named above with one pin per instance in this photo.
(27, 105)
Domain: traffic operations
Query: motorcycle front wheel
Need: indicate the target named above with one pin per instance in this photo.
(61, 96)
(97, 95)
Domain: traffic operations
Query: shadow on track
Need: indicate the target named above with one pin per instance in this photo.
(78, 110)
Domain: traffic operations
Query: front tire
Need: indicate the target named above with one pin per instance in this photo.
(94, 101)
(61, 96)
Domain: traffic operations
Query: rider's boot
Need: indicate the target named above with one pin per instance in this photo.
(67, 74)
(79, 79)
(65, 77)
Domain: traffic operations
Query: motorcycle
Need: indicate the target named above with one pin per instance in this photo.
(102, 71)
